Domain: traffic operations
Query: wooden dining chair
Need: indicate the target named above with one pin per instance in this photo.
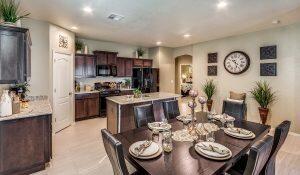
(235, 109)
(114, 151)
(280, 135)
(256, 160)
(143, 115)
(171, 109)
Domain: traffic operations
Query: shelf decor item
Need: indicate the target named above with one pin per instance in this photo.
(21, 89)
(140, 52)
(10, 12)
(209, 88)
(79, 46)
(264, 95)
(5, 104)
(268, 52)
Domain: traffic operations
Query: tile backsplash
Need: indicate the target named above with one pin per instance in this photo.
(91, 81)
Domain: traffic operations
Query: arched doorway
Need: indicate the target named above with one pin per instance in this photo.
(183, 74)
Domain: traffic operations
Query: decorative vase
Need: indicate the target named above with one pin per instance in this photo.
(209, 104)
(86, 49)
(5, 104)
(263, 112)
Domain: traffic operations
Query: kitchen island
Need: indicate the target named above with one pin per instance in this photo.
(120, 115)
(26, 139)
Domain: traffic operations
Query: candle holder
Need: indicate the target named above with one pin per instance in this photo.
(192, 104)
(202, 101)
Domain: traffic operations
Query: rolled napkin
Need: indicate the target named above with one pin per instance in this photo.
(214, 149)
(240, 131)
(141, 148)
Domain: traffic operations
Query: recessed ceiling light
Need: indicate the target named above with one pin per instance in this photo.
(187, 35)
(158, 43)
(88, 9)
(74, 28)
(115, 17)
(275, 21)
(222, 4)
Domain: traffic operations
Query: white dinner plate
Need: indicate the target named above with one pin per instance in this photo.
(149, 151)
(239, 135)
(158, 153)
(210, 154)
(184, 117)
(159, 126)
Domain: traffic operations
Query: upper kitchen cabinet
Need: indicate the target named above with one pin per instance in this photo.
(85, 65)
(15, 56)
(128, 67)
(142, 63)
(106, 58)
(147, 63)
(124, 67)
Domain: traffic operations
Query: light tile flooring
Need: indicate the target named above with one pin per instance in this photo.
(79, 150)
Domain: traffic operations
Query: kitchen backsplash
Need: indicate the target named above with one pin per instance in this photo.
(91, 81)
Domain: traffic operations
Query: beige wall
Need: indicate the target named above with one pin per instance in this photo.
(124, 50)
(181, 60)
(39, 33)
(286, 83)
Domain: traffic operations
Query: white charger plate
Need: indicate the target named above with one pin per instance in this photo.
(210, 154)
(149, 151)
(238, 135)
(158, 153)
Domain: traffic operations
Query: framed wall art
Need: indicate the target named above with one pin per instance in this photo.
(212, 57)
(268, 52)
(212, 70)
(268, 69)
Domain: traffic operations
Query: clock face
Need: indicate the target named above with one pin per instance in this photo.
(237, 62)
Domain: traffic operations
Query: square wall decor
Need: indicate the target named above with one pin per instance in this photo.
(212, 57)
(268, 69)
(212, 70)
(268, 52)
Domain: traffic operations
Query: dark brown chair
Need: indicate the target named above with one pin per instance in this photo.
(171, 109)
(114, 151)
(255, 162)
(280, 135)
(234, 109)
(143, 115)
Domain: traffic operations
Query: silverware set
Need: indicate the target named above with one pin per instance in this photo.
(140, 149)
(213, 149)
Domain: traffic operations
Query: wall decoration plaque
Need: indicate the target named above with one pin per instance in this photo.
(268, 69)
(268, 52)
(212, 57)
(63, 41)
(212, 70)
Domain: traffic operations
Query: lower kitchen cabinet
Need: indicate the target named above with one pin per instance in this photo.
(126, 92)
(86, 106)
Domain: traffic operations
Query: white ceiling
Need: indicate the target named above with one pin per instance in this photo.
(149, 21)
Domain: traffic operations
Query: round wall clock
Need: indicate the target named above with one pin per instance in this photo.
(237, 62)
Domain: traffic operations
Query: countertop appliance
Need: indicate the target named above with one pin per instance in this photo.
(106, 70)
(146, 79)
(105, 90)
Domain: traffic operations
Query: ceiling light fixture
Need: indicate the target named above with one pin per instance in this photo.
(187, 35)
(222, 4)
(115, 17)
(158, 43)
(88, 9)
(74, 28)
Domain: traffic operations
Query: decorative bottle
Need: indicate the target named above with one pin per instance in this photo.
(5, 104)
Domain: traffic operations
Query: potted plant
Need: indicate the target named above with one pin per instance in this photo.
(10, 12)
(209, 89)
(21, 89)
(263, 94)
(78, 46)
(127, 83)
(137, 93)
(140, 52)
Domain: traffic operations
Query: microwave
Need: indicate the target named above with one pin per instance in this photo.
(106, 70)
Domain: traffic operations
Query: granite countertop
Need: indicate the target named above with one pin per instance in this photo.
(127, 89)
(87, 92)
(35, 108)
(122, 100)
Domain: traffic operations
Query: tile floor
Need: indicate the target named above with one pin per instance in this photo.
(79, 150)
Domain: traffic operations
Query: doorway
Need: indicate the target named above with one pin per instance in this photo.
(183, 74)
(62, 90)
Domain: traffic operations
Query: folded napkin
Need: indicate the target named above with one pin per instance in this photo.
(214, 149)
(240, 131)
(141, 148)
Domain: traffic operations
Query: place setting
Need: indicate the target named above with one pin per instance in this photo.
(213, 150)
(159, 126)
(239, 133)
(146, 149)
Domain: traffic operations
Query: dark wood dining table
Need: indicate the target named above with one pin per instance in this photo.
(184, 159)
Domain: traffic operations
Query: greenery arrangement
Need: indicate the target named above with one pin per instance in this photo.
(140, 52)
(10, 11)
(21, 88)
(137, 93)
(209, 89)
(263, 94)
(79, 45)
(127, 82)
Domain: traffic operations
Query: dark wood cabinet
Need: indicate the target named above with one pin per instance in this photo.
(120, 67)
(128, 67)
(126, 92)
(138, 63)
(147, 63)
(105, 58)
(14, 55)
(85, 65)
(86, 106)
(25, 144)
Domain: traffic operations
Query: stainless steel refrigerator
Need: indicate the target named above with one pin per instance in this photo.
(146, 79)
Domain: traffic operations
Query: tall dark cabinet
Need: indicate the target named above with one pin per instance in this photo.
(15, 56)
(146, 79)
(85, 65)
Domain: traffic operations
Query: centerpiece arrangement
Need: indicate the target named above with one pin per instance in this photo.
(140, 52)
(137, 93)
(264, 95)
(10, 12)
(209, 88)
